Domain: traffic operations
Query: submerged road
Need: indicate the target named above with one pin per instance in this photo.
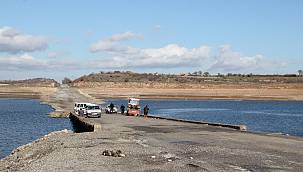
(156, 145)
(65, 97)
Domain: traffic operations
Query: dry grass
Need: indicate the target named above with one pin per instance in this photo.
(176, 81)
(26, 92)
(122, 85)
(214, 93)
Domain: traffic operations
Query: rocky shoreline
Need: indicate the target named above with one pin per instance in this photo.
(30, 152)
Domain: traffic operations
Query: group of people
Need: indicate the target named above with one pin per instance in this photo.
(122, 109)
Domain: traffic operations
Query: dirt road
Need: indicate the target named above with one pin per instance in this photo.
(64, 98)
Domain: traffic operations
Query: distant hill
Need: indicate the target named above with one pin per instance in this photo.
(135, 77)
(35, 82)
(131, 79)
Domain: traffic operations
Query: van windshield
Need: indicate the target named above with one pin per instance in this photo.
(93, 107)
(134, 102)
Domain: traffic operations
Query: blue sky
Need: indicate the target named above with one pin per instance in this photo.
(71, 38)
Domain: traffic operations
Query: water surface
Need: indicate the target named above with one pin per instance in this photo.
(260, 116)
(25, 120)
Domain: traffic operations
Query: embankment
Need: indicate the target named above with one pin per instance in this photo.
(80, 125)
(236, 127)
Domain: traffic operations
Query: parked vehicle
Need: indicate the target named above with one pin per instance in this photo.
(79, 106)
(133, 107)
(91, 110)
(108, 109)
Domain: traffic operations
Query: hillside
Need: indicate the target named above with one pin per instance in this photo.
(35, 82)
(144, 80)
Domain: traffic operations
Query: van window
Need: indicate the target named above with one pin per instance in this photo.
(134, 102)
(93, 107)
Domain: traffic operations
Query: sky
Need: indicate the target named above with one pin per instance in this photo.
(58, 39)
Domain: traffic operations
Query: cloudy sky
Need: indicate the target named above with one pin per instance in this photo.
(71, 38)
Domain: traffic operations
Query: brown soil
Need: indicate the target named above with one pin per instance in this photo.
(155, 86)
(215, 93)
(9, 91)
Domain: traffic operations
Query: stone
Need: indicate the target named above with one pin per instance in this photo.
(118, 151)
(113, 153)
(106, 153)
(121, 155)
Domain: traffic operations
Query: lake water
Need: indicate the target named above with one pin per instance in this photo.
(24, 120)
(261, 116)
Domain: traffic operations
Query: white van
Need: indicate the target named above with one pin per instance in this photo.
(79, 106)
(91, 110)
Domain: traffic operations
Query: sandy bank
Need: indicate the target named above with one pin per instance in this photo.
(214, 93)
(8, 91)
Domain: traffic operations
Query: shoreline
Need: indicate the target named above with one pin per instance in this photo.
(47, 93)
(222, 93)
(37, 97)
(202, 98)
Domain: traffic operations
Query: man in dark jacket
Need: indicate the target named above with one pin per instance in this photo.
(111, 107)
(122, 108)
(146, 109)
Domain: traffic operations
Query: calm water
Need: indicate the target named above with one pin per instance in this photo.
(262, 116)
(23, 120)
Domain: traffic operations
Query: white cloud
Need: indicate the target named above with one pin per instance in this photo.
(176, 56)
(157, 27)
(124, 36)
(112, 44)
(111, 47)
(171, 55)
(21, 62)
(56, 54)
(52, 55)
(231, 61)
(13, 41)
(26, 62)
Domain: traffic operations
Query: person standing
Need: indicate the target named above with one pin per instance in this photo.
(111, 107)
(122, 108)
(146, 109)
